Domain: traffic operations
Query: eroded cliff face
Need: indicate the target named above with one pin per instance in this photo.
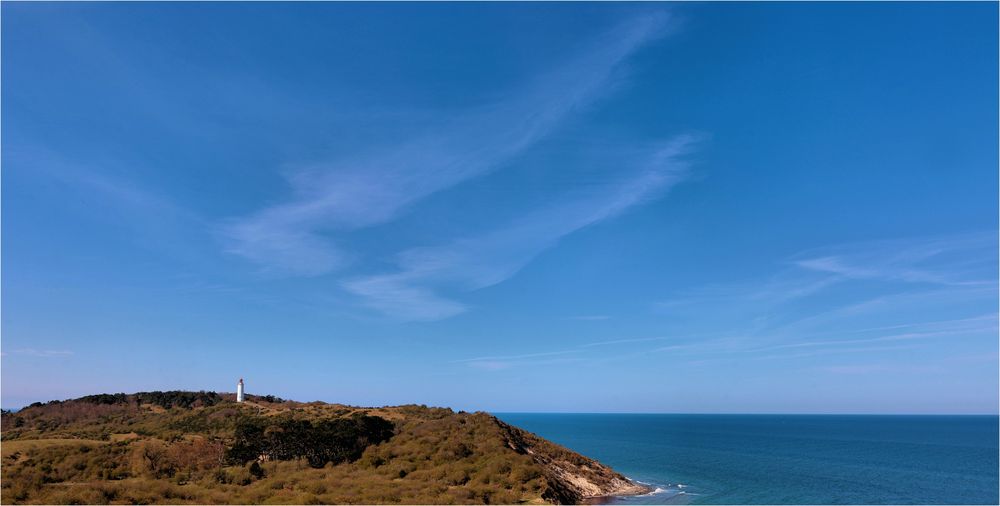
(572, 477)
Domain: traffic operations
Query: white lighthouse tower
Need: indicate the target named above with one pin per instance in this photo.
(239, 391)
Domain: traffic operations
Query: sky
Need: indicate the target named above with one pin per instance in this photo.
(559, 207)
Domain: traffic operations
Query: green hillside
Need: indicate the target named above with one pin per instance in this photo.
(204, 448)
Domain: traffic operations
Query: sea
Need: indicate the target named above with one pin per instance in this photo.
(787, 459)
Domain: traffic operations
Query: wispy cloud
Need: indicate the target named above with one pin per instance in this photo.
(32, 352)
(517, 357)
(496, 363)
(792, 343)
(966, 260)
(895, 309)
(951, 260)
(893, 321)
(873, 296)
(749, 347)
(110, 191)
(362, 190)
(880, 368)
(98, 183)
(637, 340)
(484, 260)
(394, 295)
(940, 365)
(988, 324)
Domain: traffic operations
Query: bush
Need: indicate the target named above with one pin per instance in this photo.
(255, 470)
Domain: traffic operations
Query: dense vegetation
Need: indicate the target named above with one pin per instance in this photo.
(173, 398)
(335, 440)
(201, 447)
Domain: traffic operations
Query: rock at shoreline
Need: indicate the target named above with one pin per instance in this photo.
(573, 477)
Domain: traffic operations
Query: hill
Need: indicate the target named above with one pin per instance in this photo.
(204, 448)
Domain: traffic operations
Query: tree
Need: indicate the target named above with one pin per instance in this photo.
(335, 440)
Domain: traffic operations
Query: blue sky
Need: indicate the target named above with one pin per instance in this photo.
(726, 207)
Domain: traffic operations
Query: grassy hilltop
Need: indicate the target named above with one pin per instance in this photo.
(204, 448)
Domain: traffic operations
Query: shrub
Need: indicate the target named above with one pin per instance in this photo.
(255, 470)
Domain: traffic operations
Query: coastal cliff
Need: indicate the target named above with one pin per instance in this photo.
(573, 477)
(202, 447)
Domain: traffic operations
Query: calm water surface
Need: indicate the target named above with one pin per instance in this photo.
(788, 459)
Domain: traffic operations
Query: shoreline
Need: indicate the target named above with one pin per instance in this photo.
(649, 491)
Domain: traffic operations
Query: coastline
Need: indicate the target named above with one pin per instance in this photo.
(573, 478)
(742, 459)
(651, 490)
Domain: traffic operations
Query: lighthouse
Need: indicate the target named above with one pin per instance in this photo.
(239, 391)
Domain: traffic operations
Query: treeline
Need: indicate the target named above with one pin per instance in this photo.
(337, 440)
(166, 400)
(100, 416)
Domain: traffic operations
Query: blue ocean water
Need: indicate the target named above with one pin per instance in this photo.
(787, 459)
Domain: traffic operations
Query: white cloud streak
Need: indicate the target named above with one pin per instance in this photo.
(953, 261)
(910, 279)
(517, 357)
(894, 321)
(748, 346)
(365, 190)
(32, 352)
(480, 261)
